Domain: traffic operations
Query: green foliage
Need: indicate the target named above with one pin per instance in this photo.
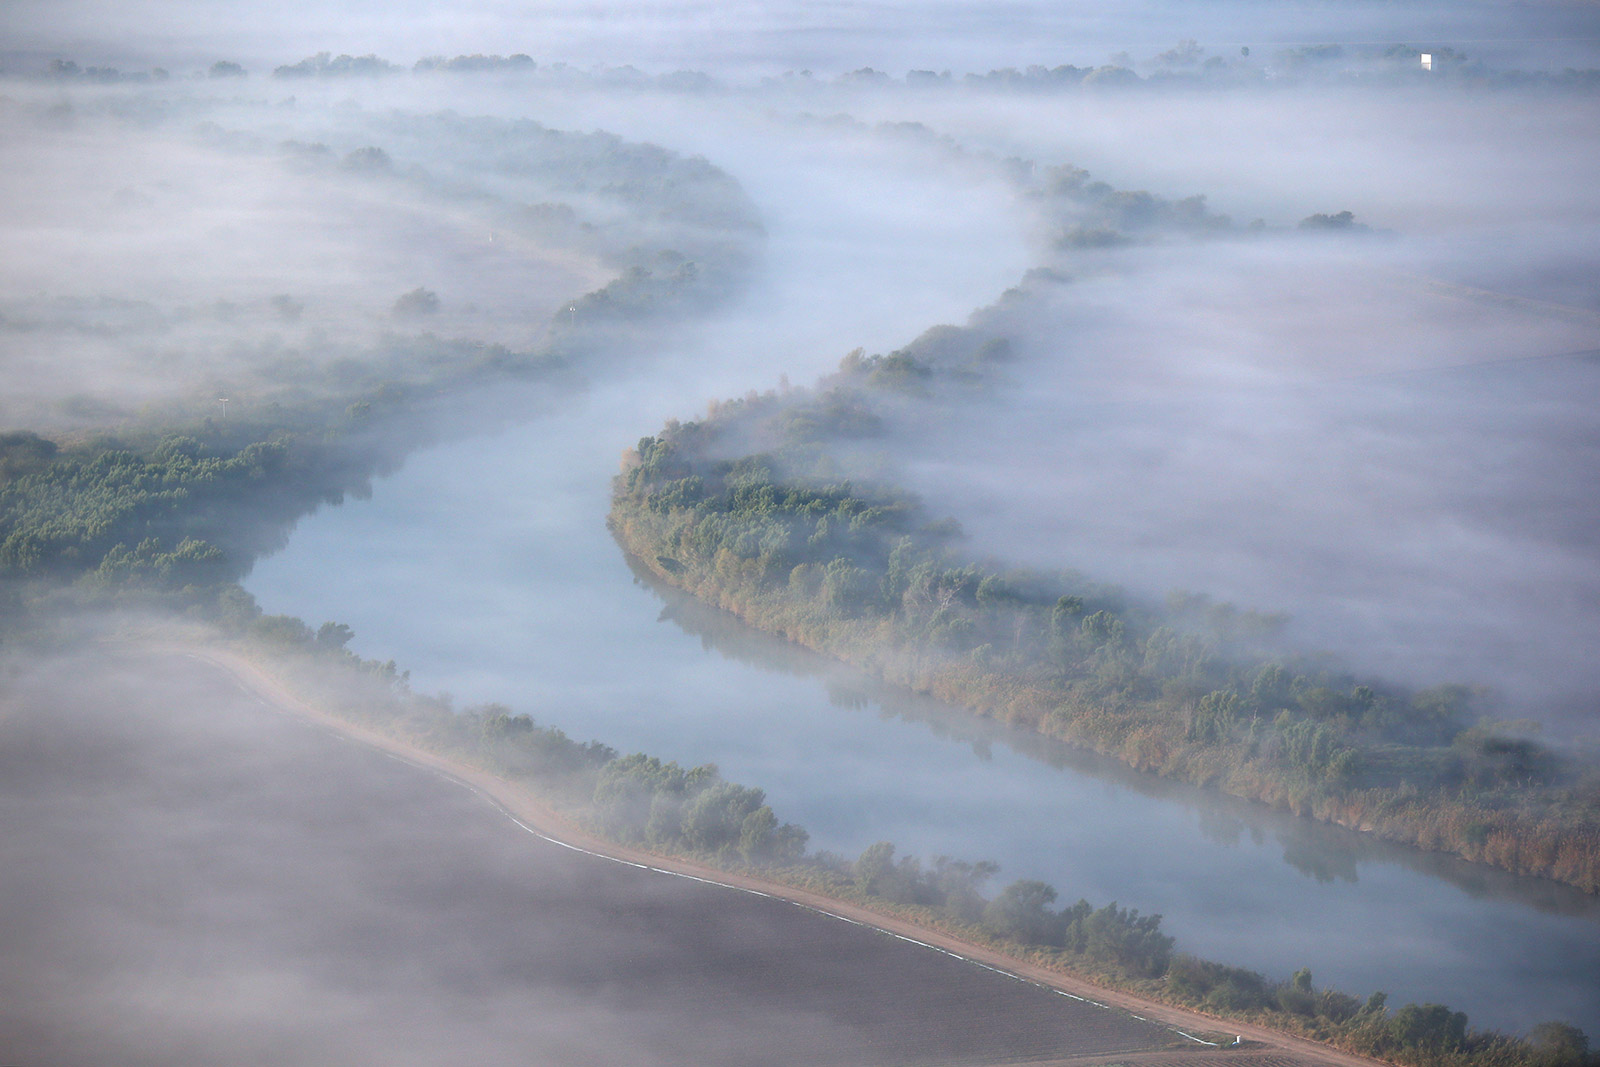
(334, 635)
(192, 563)
(957, 886)
(874, 871)
(1196, 690)
(1022, 913)
(519, 746)
(1214, 717)
(1558, 1044)
(1124, 938)
(1216, 986)
(1296, 996)
(1428, 1028)
(639, 798)
(284, 632)
(81, 514)
(1342, 221)
(22, 452)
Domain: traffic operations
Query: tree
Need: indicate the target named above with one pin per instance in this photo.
(417, 303)
(1064, 617)
(763, 838)
(286, 631)
(1431, 1027)
(374, 160)
(1127, 939)
(1101, 629)
(1296, 996)
(755, 833)
(334, 635)
(1558, 1044)
(1022, 913)
(958, 885)
(1343, 221)
(714, 819)
(874, 869)
(23, 452)
(638, 794)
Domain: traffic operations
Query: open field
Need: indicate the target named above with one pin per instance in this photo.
(1257, 1046)
(189, 876)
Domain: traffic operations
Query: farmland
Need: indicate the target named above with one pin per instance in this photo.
(213, 880)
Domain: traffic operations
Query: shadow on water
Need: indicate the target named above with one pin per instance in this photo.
(1315, 850)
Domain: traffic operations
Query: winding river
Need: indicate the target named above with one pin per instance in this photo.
(484, 567)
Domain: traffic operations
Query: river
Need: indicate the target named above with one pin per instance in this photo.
(484, 568)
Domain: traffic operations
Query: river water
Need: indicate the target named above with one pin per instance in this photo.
(484, 567)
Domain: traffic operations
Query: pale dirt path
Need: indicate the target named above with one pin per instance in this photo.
(1265, 1047)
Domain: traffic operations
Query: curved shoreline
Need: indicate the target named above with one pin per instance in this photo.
(537, 817)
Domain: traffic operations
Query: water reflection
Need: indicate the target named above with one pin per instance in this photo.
(1320, 852)
(504, 587)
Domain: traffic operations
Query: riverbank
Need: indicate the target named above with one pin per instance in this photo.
(194, 876)
(1203, 693)
(1199, 1033)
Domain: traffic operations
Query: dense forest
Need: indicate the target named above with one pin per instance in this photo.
(777, 508)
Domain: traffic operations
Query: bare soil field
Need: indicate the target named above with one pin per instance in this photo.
(189, 875)
(1255, 1046)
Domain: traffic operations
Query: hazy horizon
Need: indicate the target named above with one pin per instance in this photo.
(1283, 319)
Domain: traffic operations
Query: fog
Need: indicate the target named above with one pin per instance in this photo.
(209, 881)
(761, 38)
(1384, 428)
(1402, 467)
(154, 259)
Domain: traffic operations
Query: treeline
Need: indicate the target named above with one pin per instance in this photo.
(1129, 949)
(1184, 66)
(752, 510)
(657, 199)
(175, 504)
(635, 799)
(176, 518)
(117, 512)
(638, 799)
(1130, 944)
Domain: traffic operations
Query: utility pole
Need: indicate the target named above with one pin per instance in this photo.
(224, 402)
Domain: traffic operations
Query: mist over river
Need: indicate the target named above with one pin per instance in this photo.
(485, 569)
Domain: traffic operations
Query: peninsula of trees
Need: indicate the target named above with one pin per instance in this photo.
(767, 509)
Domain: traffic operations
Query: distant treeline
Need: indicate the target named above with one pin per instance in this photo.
(694, 812)
(754, 509)
(1186, 65)
(174, 504)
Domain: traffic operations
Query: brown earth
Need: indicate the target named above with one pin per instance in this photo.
(1261, 1046)
(194, 870)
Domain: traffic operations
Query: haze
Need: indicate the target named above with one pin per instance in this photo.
(1383, 427)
